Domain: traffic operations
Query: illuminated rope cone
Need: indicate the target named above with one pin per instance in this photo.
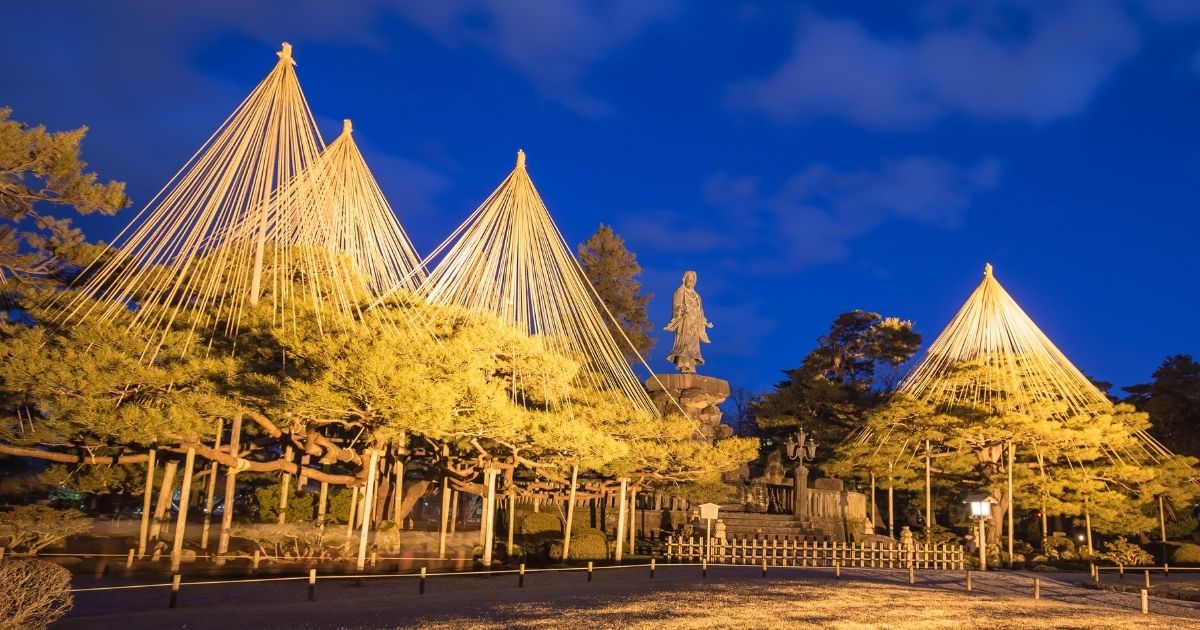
(509, 259)
(1025, 371)
(257, 212)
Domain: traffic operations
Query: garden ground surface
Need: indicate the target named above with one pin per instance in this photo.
(731, 597)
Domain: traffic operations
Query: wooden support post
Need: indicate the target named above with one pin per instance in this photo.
(621, 520)
(165, 492)
(632, 521)
(1011, 537)
(322, 504)
(364, 533)
(454, 499)
(353, 514)
(147, 499)
(490, 518)
(444, 517)
(312, 585)
(566, 546)
(928, 493)
(235, 444)
(398, 502)
(174, 591)
(891, 504)
(1162, 528)
(285, 486)
(181, 521)
(512, 524)
(1087, 523)
(873, 515)
(211, 490)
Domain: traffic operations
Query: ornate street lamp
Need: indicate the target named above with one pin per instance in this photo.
(981, 510)
(800, 449)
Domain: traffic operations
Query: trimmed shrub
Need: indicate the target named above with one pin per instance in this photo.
(586, 546)
(1059, 547)
(1185, 553)
(33, 593)
(296, 542)
(540, 523)
(1121, 551)
(31, 528)
(300, 508)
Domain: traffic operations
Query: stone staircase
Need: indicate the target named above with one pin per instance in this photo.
(752, 525)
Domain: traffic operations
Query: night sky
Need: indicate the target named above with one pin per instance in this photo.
(803, 160)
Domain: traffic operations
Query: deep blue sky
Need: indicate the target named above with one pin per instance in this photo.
(805, 160)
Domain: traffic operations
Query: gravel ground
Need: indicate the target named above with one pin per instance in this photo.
(731, 597)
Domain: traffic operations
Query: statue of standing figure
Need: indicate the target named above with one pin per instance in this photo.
(688, 323)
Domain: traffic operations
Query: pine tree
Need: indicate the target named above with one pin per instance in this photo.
(613, 270)
(38, 171)
(1173, 402)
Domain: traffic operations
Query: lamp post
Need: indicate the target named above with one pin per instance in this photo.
(800, 449)
(981, 510)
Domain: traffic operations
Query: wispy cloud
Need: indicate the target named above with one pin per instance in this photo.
(1031, 62)
(815, 215)
(553, 42)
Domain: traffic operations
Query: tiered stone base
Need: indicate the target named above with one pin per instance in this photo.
(699, 396)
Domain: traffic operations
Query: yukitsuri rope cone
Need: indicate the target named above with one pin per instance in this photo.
(257, 212)
(991, 329)
(509, 259)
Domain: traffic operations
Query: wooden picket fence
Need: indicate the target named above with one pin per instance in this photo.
(792, 552)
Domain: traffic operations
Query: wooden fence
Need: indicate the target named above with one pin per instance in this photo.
(803, 553)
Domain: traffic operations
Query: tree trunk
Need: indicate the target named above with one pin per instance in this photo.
(147, 500)
(181, 521)
(353, 515)
(322, 504)
(454, 500)
(235, 444)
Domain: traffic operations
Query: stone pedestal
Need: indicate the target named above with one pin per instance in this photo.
(699, 396)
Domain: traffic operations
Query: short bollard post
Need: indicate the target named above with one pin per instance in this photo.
(1121, 571)
(703, 567)
(254, 563)
(1147, 578)
(1095, 574)
(589, 570)
(1037, 588)
(374, 558)
(912, 575)
(1166, 569)
(1145, 602)
(521, 576)
(174, 590)
(651, 568)
(968, 579)
(764, 567)
(837, 570)
(423, 575)
(129, 560)
(312, 585)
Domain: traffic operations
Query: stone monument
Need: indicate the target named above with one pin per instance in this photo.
(698, 396)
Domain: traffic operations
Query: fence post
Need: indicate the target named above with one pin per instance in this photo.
(968, 579)
(174, 590)
(1147, 581)
(423, 573)
(1145, 602)
(589, 570)
(1121, 571)
(128, 558)
(1166, 569)
(837, 569)
(1037, 588)
(312, 585)
(1, 553)
(703, 567)
(764, 567)
(912, 575)
(521, 576)
(651, 568)
(254, 564)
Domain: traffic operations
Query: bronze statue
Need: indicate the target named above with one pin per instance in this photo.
(688, 323)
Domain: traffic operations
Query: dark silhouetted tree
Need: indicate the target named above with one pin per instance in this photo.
(614, 271)
(1173, 402)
